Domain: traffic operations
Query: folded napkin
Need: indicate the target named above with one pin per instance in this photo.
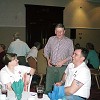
(57, 93)
(18, 88)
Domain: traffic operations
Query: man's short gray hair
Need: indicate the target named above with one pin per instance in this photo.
(16, 35)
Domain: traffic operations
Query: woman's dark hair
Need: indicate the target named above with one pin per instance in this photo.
(90, 46)
(8, 58)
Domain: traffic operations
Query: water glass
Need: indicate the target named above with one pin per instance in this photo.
(40, 91)
(4, 90)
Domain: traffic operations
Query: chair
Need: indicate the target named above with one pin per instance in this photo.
(29, 83)
(41, 65)
(96, 74)
(32, 62)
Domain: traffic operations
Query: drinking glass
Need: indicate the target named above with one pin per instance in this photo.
(4, 90)
(40, 91)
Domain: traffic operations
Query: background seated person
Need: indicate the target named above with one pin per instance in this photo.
(20, 48)
(13, 71)
(92, 58)
(2, 53)
(77, 45)
(77, 77)
(32, 55)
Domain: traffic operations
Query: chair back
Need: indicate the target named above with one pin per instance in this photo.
(96, 73)
(29, 84)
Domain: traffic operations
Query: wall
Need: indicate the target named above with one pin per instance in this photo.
(13, 16)
(88, 35)
(84, 16)
(80, 14)
(6, 34)
(84, 35)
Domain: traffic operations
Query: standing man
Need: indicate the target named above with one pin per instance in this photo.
(58, 52)
(77, 77)
(20, 48)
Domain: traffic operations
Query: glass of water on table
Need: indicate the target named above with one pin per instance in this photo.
(4, 90)
(40, 91)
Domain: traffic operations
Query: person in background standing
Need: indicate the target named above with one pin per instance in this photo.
(20, 48)
(2, 53)
(58, 52)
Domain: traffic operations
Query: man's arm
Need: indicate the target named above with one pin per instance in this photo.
(75, 86)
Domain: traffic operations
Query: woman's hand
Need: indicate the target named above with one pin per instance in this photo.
(26, 79)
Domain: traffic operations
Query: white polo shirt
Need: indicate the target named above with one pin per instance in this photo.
(7, 76)
(33, 53)
(81, 74)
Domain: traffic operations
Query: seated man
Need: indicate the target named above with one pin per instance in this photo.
(77, 77)
(13, 71)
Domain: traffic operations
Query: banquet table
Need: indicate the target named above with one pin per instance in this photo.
(26, 96)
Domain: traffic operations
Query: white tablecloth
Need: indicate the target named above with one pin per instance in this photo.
(26, 96)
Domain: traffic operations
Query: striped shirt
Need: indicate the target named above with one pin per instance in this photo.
(58, 50)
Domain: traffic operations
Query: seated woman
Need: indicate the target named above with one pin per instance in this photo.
(13, 71)
(92, 58)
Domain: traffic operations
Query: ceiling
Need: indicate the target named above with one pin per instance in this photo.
(98, 1)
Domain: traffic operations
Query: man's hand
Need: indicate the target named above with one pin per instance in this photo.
(49, 63)
(60, 63)
(58, 83)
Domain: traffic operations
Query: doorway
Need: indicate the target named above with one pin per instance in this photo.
(40, 22)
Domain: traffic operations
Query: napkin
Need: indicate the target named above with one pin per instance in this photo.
(18, 88)
(57, 93)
